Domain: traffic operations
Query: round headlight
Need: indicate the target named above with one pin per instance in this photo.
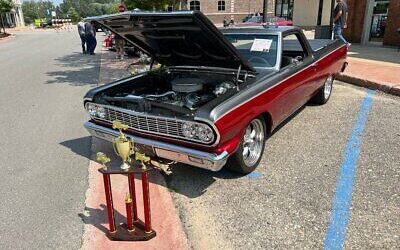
(197, 131)
(189, 130)
(101, 112)
(91, 109)
(205, 133)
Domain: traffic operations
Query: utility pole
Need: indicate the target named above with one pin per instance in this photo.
(265, 10)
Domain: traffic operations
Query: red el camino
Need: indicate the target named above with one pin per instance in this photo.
(218, 94)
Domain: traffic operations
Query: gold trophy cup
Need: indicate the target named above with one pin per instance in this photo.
(123, 147)
(103, 159)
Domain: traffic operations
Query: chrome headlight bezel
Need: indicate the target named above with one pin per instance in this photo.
(95, 111)
(198, 131)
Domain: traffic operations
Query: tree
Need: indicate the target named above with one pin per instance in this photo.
(74, 15)
(87, 8)
(5, 6)
(147, 4)
(34, 10)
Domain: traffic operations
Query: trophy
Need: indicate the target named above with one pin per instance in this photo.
(103, 159)
(143, 159)
(123, 147)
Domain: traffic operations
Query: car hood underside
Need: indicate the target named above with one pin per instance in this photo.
(185, 38)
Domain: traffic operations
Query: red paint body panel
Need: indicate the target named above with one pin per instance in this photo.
(280, 101)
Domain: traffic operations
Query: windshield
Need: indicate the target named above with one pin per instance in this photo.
(260, 50)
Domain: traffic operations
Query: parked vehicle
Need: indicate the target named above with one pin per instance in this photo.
(271, 20)
(248, 17)
(219, 93)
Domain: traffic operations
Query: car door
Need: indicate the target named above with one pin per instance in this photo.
(299, 85)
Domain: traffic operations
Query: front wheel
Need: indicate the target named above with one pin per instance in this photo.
(247, 157)
(323, 95)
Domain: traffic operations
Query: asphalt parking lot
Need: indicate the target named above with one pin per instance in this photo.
(329, 177)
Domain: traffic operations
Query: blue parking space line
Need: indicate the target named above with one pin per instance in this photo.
(336, 233)
(254, 175)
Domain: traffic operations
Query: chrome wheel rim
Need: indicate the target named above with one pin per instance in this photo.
(253, 141)
(328, 87)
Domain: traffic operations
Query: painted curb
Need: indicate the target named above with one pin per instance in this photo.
(392, 90)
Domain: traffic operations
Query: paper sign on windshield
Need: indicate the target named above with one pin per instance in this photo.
(262, 45)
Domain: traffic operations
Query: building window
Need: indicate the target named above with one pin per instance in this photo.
(221, 5)
(194, 5)
(284, 8)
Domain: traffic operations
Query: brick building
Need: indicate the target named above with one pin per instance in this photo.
(217, 10)
(369, 20)
(374, 20)
(392, 32)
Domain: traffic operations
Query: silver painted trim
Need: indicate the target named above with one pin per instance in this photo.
(168, 151)
(181, 138)
(275, 85)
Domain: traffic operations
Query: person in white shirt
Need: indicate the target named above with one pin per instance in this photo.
(81, 31)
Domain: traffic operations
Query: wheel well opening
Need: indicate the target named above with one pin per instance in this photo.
(268, 122)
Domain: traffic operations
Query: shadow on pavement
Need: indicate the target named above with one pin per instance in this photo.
(97, 217)
(79, 70)
(80, 146)
(193, 182)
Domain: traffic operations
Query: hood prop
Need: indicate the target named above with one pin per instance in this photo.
(237, 77)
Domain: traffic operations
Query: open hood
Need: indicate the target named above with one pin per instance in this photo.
(185, 38)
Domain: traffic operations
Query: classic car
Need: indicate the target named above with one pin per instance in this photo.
(218, 95)
(271, 20)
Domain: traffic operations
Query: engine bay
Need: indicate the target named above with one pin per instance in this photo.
(182, 92)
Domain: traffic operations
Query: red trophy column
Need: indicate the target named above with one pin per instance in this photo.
(132, 191)
(129, 221)
(146, 202)
(109, 201)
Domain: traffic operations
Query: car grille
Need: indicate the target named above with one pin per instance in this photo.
(159, 125)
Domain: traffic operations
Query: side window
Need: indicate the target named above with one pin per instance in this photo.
(293, 51)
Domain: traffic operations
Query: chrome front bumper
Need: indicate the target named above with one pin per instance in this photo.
(164, 150)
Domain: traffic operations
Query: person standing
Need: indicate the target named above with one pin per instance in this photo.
(81, 31)
(90, 34)
(340, 20)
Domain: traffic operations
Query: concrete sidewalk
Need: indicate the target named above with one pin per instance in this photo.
(373, 67)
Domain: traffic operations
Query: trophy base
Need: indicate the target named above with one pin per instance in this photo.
(123, 234)
(125, 166)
